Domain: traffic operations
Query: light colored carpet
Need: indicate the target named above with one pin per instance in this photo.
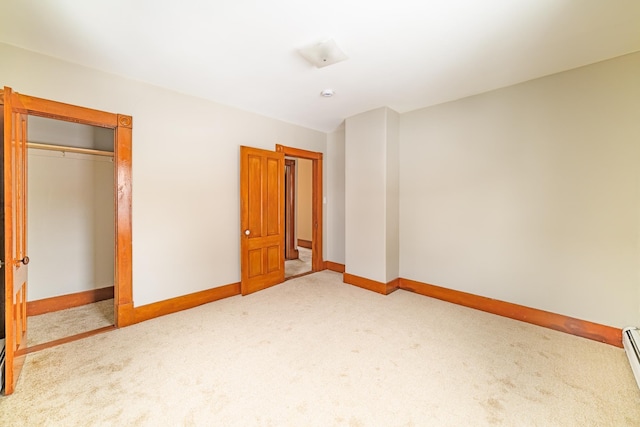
(293, 267)
(65, 323)
(316, 352)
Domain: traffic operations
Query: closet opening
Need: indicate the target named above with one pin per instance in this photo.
(71, 230)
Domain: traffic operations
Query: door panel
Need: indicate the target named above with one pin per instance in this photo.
(261, 218)
(274, 194)
(255, 262)
(254, 202)
(14, 209)
(273, 258)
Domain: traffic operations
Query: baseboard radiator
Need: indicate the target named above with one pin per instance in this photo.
(631, 342)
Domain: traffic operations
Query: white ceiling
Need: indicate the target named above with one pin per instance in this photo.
(404, 54)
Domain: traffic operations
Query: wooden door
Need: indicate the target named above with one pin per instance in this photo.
(15, 259)
(261, 218)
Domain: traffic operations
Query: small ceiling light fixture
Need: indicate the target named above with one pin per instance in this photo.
(323, 54)
(328, 93)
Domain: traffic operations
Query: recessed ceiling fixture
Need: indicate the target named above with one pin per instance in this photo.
(328, 93)
(323, 54)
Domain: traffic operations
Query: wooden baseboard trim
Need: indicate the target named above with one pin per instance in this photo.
(371, 285)
(305, 244)
(64, 340)
(334, 266)
(173, 305)
(49, 305)
(393, 285)
(558, 322)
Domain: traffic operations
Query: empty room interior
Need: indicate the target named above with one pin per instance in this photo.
(453, 189)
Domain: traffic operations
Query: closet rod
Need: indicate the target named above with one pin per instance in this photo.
(66, 149)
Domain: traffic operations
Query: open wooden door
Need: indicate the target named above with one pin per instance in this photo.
(14, 227)
(261, 218)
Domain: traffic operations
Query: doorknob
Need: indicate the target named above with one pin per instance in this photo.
(247, 232)
(25, 260)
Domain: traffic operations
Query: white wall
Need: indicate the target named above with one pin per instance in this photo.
(530, 194)
(185, 169)
(527, 194)
(365, 182)
(371, 193)
(335, 195)
(71, 223)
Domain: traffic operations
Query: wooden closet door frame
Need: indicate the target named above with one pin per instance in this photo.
(122, 126)
(317, 263)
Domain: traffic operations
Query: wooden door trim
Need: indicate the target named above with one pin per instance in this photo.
(290, 250)
(67, 112)
(316, 232)
(122, 125)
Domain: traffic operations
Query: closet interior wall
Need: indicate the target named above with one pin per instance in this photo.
(70, 208)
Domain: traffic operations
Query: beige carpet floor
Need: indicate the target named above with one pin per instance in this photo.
(316, 352)
(293, 267)
(65, 323)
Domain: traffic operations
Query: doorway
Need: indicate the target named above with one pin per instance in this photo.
(314, 160)
(298, 216)
(71, 206)
(262, 215)
(17, 108)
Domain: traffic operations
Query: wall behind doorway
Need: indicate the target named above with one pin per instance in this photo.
(304, 190)
(70, 210)
(71, 238)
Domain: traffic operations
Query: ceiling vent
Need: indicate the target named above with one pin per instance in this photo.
(323, 54)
